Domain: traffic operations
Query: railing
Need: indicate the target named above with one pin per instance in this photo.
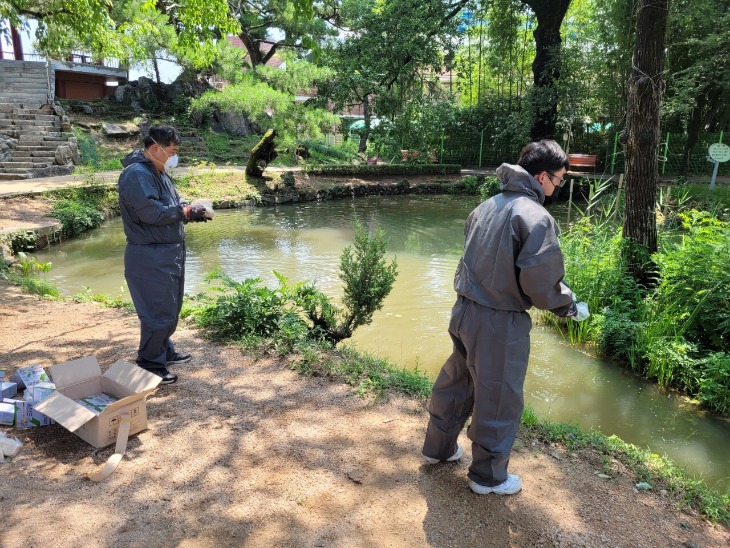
(10, 56)
(80, 58)
(87, 59)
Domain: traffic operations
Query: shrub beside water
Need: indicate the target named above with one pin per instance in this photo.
(80, 209)
(677, 333)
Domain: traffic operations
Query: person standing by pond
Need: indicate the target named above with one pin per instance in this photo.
(153, 216)
(512, 261)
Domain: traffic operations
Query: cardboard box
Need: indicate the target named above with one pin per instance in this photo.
(82, 378)
(8, 389)
(28, 376)
(7, 413)
(39, 392)
(26, 416)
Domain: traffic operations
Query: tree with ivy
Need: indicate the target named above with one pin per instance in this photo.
(640, 137)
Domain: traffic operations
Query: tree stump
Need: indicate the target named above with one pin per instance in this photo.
(262, 155)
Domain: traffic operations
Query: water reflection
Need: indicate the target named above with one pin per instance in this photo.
(426, 234)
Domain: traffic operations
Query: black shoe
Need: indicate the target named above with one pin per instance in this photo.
(178, 358)
(167, 377)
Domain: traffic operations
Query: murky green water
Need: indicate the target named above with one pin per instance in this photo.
(426, 235)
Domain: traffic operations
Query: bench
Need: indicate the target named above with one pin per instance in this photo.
(582, 162)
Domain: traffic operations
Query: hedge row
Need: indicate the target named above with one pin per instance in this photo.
(384, 169)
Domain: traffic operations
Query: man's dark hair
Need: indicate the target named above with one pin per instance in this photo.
(163, 136)
(544, 155)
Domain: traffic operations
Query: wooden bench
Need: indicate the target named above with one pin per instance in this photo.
(582, 162)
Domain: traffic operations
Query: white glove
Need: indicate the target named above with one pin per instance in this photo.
(582, 312)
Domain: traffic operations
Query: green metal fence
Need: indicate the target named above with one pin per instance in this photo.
(477, 149)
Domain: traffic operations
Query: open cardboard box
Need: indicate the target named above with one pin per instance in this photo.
(80, 378)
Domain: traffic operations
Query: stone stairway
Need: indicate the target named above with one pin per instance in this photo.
(29, 143)
(24, 82)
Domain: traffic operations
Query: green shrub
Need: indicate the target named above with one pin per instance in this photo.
(694, 271)
(80, 209)
(617, 336)
(714, 382)
(76, 217)
(490, 187)
(296, 312)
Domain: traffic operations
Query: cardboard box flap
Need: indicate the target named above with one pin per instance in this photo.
(133, 377)
(74, 372)
(65, 411)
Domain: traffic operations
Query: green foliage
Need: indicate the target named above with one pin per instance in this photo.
(371, 376)
(384, 169)
(22, 241)
(714, 381)
(293, 313)
(251, 310)
(28, 273)
(367, 277)
(700, 300)
(80, 209)
(676, 333)
(93, 156)
(490, 187)
(266, 106)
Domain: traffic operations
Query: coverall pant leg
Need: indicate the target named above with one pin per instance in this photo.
(485, 375)
(155, 274)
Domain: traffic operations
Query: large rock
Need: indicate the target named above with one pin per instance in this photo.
(114, 130)
(63, 155)
(146, 95)
(7, 144)
(68, 154)
(233, 122)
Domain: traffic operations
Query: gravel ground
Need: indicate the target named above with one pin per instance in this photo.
(245, 452)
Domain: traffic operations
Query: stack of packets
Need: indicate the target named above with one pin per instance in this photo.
(20, 412)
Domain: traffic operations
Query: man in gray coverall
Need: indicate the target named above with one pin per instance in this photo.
(512, 261)
(154, 260)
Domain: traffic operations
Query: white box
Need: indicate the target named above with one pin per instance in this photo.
(27, 416)
(81, 378)
(9, 390)
(7, 413)
(30, 375)
(39, 392)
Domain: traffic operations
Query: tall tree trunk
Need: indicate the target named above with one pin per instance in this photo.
(546, 66)
(640, 138)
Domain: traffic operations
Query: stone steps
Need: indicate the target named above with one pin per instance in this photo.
(38, 133)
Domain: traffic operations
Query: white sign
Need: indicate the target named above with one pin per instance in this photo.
(720, 152)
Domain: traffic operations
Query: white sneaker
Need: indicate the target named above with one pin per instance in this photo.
(512, 485)
(456, 456)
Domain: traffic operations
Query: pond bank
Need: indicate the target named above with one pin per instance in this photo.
(27, 211)
(244, 451)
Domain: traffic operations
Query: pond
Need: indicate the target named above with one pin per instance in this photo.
(304, 242)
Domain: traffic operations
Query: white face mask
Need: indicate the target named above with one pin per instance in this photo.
(171, 162)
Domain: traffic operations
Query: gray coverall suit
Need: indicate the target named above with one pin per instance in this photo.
(154, 259)
(511, 262)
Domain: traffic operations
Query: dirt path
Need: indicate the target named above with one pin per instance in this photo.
(242, 452)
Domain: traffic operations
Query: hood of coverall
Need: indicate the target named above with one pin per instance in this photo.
(514, 178)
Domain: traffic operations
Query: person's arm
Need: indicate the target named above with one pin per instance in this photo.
(541, 268)
(140, 192)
